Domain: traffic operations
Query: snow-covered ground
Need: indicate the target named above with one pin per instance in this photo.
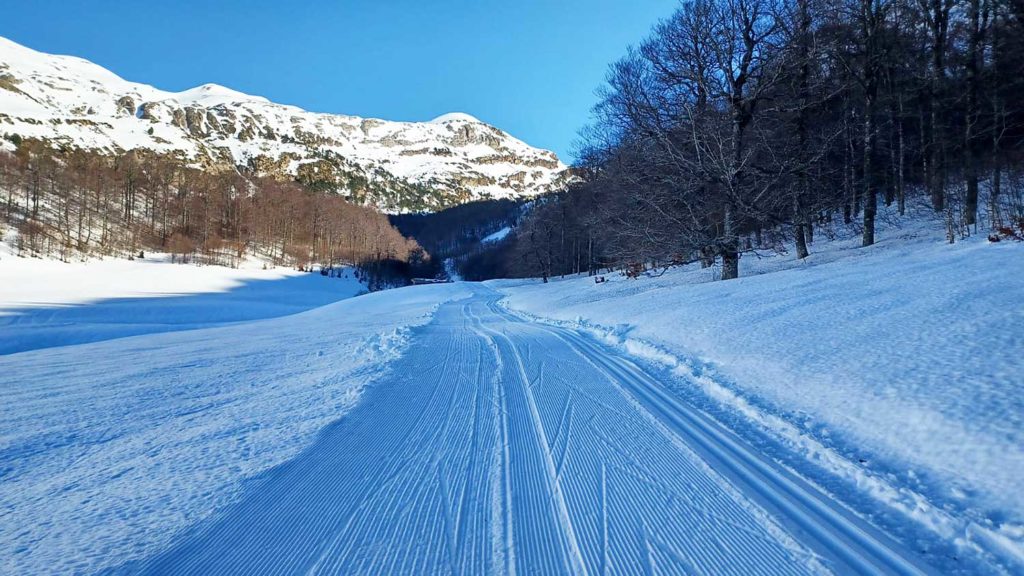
(496, 236)
(46, 303)
(501, 446)
(857, 412)
(108, 449)
(898, 369)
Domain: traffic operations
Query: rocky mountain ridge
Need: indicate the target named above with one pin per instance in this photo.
(396, 166)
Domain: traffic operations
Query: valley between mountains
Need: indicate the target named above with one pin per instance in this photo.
(277, 423)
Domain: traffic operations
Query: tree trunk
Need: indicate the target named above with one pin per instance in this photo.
(901, 194)
(871, 29)
(997, 127)
(997, 172)
(939, 25)
(870, 197)
(976, 36)
(800, 216)
(730, 250)
(801, 240)
(855, 190)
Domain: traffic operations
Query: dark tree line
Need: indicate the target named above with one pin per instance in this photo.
(457, 232)
(453, 231)
(742, 124)
(75, 202)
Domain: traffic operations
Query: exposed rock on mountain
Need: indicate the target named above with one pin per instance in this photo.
(396, 166)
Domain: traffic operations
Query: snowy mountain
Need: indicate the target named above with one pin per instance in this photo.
(397, 166)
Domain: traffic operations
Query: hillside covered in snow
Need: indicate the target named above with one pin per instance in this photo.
(770, 323)
(858, 411)
(889, 375)
(396, 166)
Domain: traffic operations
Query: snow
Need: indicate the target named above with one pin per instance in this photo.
(454, 117)
(212, 95)
(451, 271)
(67, 99)
(497, 236)
(46, 303)
(108, 449)
(858, 412)
(897, 367)
(497, 446)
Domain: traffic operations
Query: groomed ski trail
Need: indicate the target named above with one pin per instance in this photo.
(501, 446)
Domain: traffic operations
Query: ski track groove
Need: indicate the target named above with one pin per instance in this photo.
(498, 446)
(837, 529)
(566, 533)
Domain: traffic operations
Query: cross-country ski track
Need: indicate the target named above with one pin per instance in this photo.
(496, 445)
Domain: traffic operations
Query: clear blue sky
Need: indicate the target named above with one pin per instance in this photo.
(529, 67)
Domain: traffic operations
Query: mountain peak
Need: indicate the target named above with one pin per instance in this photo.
(455, 117)
(214, 94)
(396, 166)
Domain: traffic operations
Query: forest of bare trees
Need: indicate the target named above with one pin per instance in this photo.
(76, 203)
(740, 125)
(736, 126)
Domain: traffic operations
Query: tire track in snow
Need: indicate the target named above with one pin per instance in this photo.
(502, 534)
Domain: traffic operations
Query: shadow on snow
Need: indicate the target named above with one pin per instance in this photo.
(47, 326)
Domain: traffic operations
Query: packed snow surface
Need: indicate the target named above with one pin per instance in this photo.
(905, 359)
(500, 446)
(859, 412)
(108, 449)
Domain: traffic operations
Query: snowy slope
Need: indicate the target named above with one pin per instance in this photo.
(498, 446)
(857, 413)
(108, 449)
(497, 236)
(71, 101)
(47, 303)
(896, 369)
(490, 445)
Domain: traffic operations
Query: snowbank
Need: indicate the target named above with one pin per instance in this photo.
(108, 449)
(898, 366)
